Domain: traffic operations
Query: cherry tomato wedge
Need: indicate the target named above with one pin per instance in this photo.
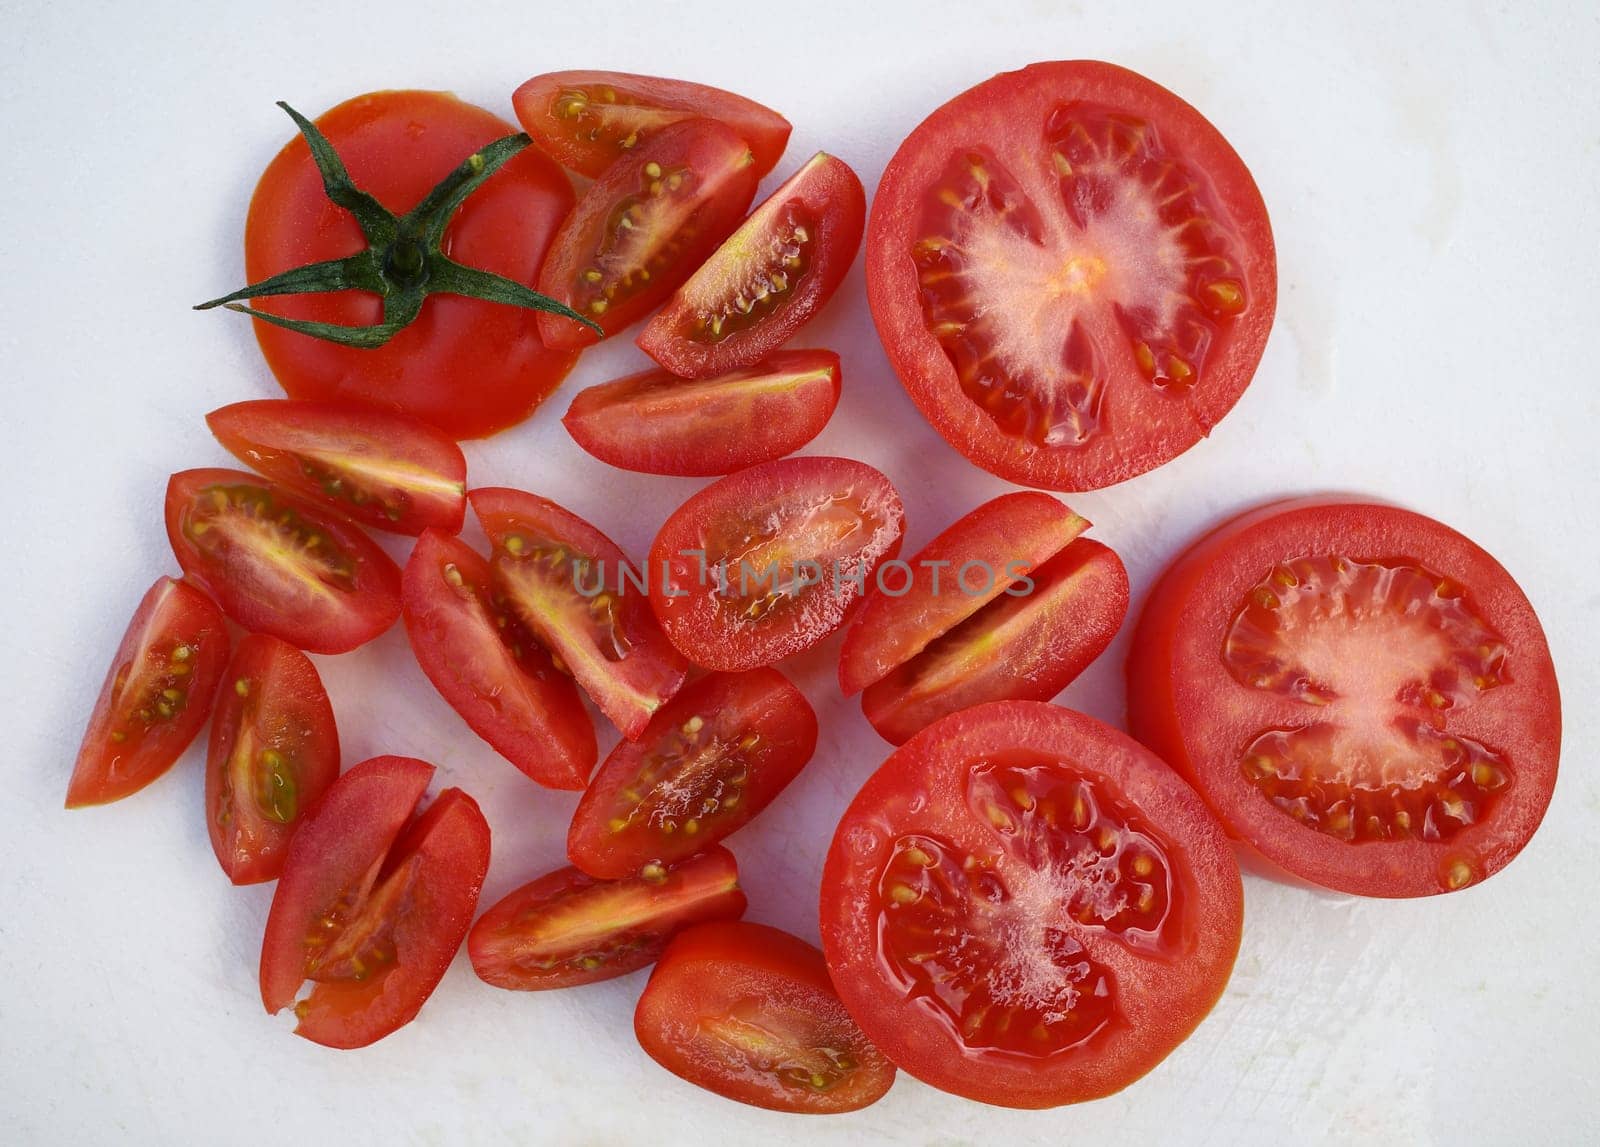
(279, 565)
(657, 423)
(710, 760)
(385, 470)
(567, 928)
(1072, 273)
(984, 554)
(1364, 696)
(274, 751)
(578, 594)
(644, 226)
(490, 668)
(588, 120)
(156, 695)
(373, 902)
(1025, 907)
(766, 282)
(765, 563)
(748, 1012)
(467, 366)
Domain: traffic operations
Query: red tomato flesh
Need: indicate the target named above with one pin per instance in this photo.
(767, 281)
(710, 760)
(567, 928)
(274, 751)
(156, 695)
(1363, 696)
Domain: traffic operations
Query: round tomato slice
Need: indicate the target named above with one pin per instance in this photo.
(1072, 273)
(280, 565)
(657, 423)
(587, 120)
(373, 902)
(467, 366)
(385, 470)
(581, 597)
(1363, 695)
(644, 226)
(157, 693)
(766, 282)
(567, 928)
(767, 562)
(274, 751)
(710, 760)
(748, 1012)
(490, 668)
(1025, 907)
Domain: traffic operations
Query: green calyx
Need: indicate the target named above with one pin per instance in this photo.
(403, 263)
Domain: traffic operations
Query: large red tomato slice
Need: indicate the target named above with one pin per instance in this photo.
(1363, 695)
(1025, 907)
(1072, 274)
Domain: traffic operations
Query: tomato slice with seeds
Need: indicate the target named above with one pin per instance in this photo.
(157, 693)
(1364, 696)
(568, 928)
(748, 1012)
(1027, 908)
(772, 275)
(765, 563)
(1026, 647)
(373, 902)
(1072, 273)
(274, 751)
(710, 760)
(386, 470)
(576, 591)
(657, 423)
(644, 226)
(588, 120)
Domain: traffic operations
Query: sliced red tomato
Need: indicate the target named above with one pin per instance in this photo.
(748, 1012)
(711, 759)
(644, 226)
(1364, 696)
(567, 928)
(767, 562)
(373, 902)
(657, 423)
(581, 597)
(279, 565)
(387, 471)
(492, 670)
(274, 751)
(467, 366)
(1072, 273)
(984, 554)
(156, 695)
(587, 120)
(767, 281)
(1025, 907)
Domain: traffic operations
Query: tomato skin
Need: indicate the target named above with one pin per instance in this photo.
(589, 930)
(1173, 678)
(547, 110)
(271, 702)
(667, 767)
(654, 422)
(744, 976)
(466, 366)
(510, 695)
(117, 759)
(595, 261)
(385, 470)
(808, 230)
(315, 607)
